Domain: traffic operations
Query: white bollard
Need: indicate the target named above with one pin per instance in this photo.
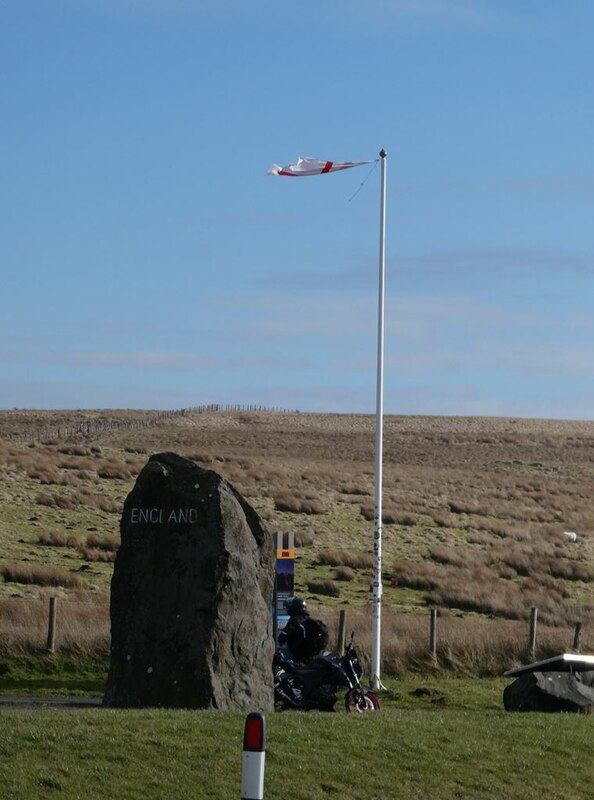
(254, 754)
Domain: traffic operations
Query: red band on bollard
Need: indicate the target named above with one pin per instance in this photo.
(254, 736)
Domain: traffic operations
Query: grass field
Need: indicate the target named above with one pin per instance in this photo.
(399, 753)
(435, 737)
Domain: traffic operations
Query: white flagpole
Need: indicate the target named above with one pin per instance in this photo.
(379, 439)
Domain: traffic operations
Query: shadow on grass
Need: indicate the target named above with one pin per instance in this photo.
(52, 685)
(34, 674)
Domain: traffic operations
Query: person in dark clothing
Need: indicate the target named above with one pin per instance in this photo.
(292, 636)
(303, 637)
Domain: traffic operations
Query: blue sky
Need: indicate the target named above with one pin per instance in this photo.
(148, 261)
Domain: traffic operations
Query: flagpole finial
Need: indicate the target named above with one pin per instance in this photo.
(383, 153)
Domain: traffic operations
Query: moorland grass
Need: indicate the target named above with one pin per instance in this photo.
(397, 753)
(476, 507)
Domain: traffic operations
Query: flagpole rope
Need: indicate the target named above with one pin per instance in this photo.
(361, 185)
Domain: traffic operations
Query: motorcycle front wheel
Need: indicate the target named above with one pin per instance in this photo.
(358, 701)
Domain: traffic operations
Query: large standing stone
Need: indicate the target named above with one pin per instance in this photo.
(551, 691)
(191, 594)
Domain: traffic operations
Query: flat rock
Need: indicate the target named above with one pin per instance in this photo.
(551, 691)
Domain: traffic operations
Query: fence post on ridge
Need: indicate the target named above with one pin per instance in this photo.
(577, 637)
(433, 634)
(341, 632)
(532, 633)
(51, 625)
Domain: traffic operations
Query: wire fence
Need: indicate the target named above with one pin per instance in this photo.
(441, 639)
(55, 624)
(81, 624)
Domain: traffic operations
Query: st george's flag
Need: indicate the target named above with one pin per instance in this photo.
(313, 166)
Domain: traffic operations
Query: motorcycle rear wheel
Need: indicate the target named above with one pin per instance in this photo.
(358, 701)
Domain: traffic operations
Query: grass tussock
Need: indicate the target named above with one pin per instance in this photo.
(345, 558)
(76, 464)
(111, 505)
(114, 472)
(304, 538)
(74, 450)
(97, 547)
(63, 501)
(52, 477)
(344, 574)
(103, 541)
(393, 517)
(450, 555)
(81, 497)
(41, 576)
(96, 554)
(357, 490)
(367, 511)
(390, 515)
(56, 539)
(298, 505)
(327, 588)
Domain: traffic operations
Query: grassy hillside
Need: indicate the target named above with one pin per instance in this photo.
(474, 513)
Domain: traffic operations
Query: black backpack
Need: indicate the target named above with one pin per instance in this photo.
(308, 638)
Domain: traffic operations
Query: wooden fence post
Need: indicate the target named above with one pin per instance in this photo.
(577, 637)
(341, 632)
(532, 633)
(51, 626)
(433, 634)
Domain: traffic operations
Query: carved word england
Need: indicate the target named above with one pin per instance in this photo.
(155, 516)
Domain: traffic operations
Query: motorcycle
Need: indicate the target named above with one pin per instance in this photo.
(314, 685)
